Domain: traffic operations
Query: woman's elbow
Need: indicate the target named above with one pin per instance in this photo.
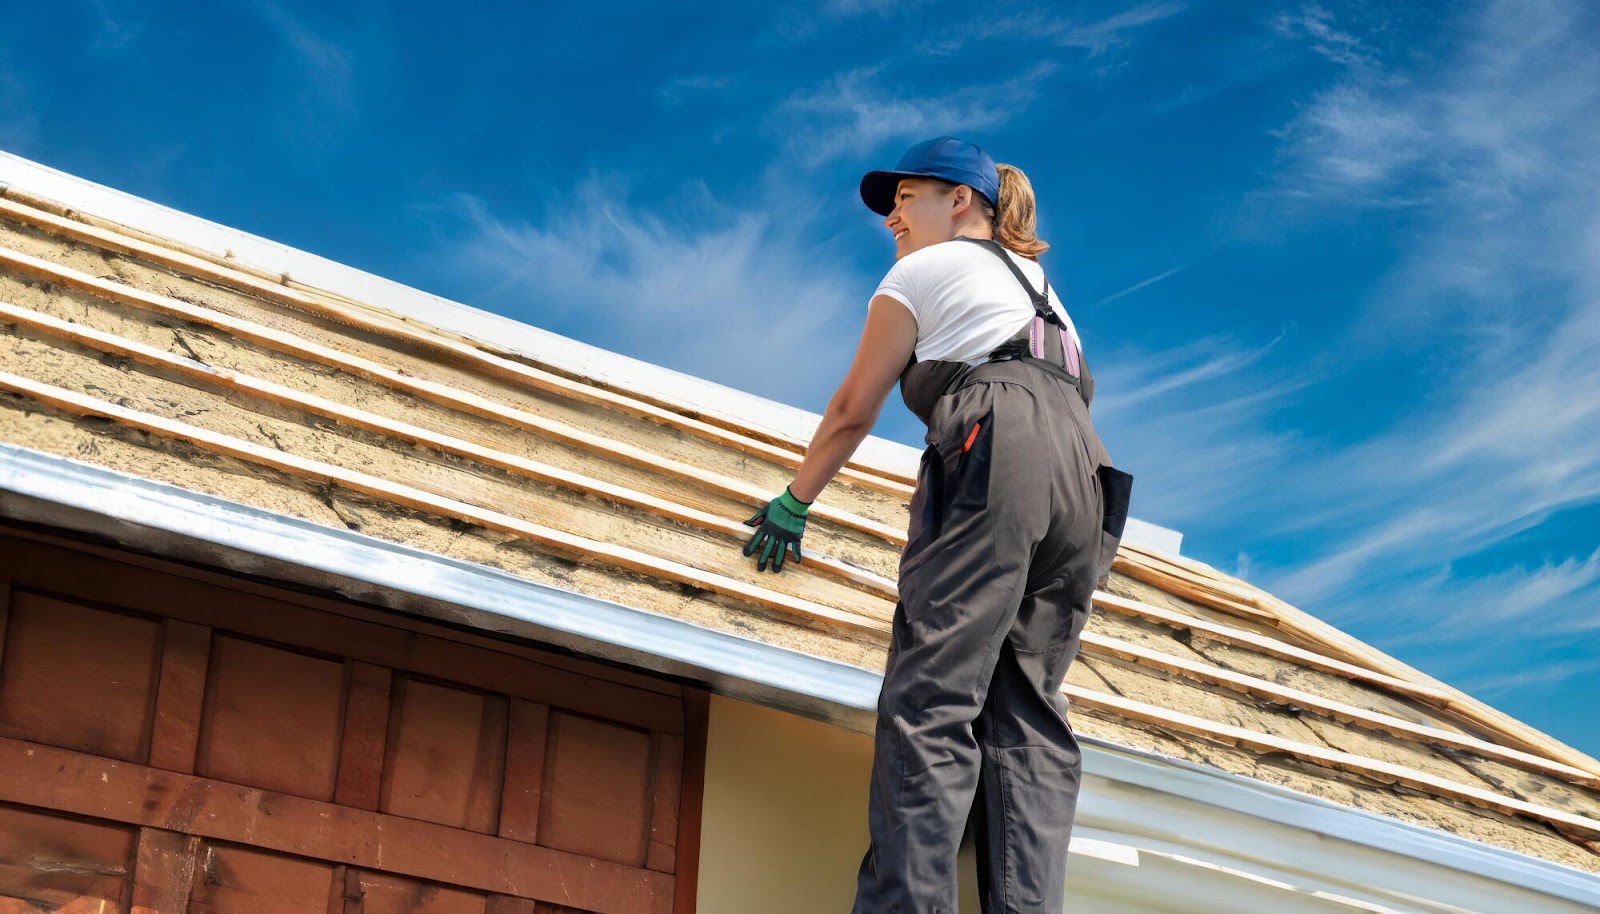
(853, 413)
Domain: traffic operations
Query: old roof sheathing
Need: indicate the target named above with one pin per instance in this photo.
(130, 352)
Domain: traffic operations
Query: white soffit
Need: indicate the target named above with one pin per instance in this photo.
(488, 329)
(1176, 810)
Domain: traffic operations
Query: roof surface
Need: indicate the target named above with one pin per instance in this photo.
(133, 353)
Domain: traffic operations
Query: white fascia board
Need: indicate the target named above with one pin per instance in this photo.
(491, 330)
(1129, 798)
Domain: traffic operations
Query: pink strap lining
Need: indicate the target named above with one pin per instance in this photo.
(1035, 344)
(1070, 350)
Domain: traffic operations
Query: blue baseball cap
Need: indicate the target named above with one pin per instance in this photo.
(945, 158)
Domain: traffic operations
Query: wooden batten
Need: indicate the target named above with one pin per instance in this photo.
(1208, 587)
(427, 390)
(1271, 646)
(362, 419)
(1209, 674)
(365, 319)
(1385, 772)
(440, 506)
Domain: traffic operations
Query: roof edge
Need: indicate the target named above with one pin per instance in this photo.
(1226, 818)
(486, 328)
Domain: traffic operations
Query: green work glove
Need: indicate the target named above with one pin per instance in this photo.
(782, 522)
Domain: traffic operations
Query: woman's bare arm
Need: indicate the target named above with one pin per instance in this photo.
(885, 348)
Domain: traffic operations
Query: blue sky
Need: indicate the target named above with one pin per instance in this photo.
(1337, 265)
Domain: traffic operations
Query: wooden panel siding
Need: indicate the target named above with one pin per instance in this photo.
(102, 665)
(272, 719)
(283, 775)
(446, 755)
(58, 863)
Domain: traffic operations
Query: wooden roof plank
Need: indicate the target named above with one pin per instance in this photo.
(1170, 570)
(400, 329)
(441, 506)
(1273, 646)
(359, 418)
(1214, 675)
(420, 387)
(1386, 772)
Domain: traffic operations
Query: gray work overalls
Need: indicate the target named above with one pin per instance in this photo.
(1016, 516)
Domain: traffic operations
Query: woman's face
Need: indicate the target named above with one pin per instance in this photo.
(924, 213)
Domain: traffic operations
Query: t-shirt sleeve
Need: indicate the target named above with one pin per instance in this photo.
(898, 284)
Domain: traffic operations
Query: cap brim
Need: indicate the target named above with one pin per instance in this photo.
(878, 187)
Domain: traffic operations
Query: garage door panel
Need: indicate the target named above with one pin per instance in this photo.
(101, 664)
(597, 789)
(272, 719)
(381, 893)
(188, 753)
(55, 863)
(243, 880)
(446, 755)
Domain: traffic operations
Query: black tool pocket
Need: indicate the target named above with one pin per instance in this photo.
(1116, 491)
(968, 485)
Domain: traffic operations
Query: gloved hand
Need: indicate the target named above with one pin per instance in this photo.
(781, 524)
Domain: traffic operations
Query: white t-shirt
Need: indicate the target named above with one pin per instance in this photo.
(965, 301)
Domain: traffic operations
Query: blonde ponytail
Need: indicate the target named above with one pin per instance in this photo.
(1015, 216)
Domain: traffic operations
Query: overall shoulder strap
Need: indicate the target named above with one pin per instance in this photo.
(1041, 300)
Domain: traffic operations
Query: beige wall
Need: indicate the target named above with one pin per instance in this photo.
(785, 814)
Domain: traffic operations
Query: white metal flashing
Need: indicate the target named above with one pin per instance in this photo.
(494, 330)
(1136, 800)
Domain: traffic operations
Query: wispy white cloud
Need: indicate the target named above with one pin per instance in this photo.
(116, 30)
(322, 75)
(1493, 685)
(1142, 284)
(730, 299)
(1194, 426)
(1315, 25)
(679, 88)
(1499, 286)
(1099, 36)
(849, 9)
(1045, 26)
(858, 112)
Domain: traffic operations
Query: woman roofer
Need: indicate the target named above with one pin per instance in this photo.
(1016, 516)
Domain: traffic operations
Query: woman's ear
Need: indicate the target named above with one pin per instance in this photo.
(960, 199)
